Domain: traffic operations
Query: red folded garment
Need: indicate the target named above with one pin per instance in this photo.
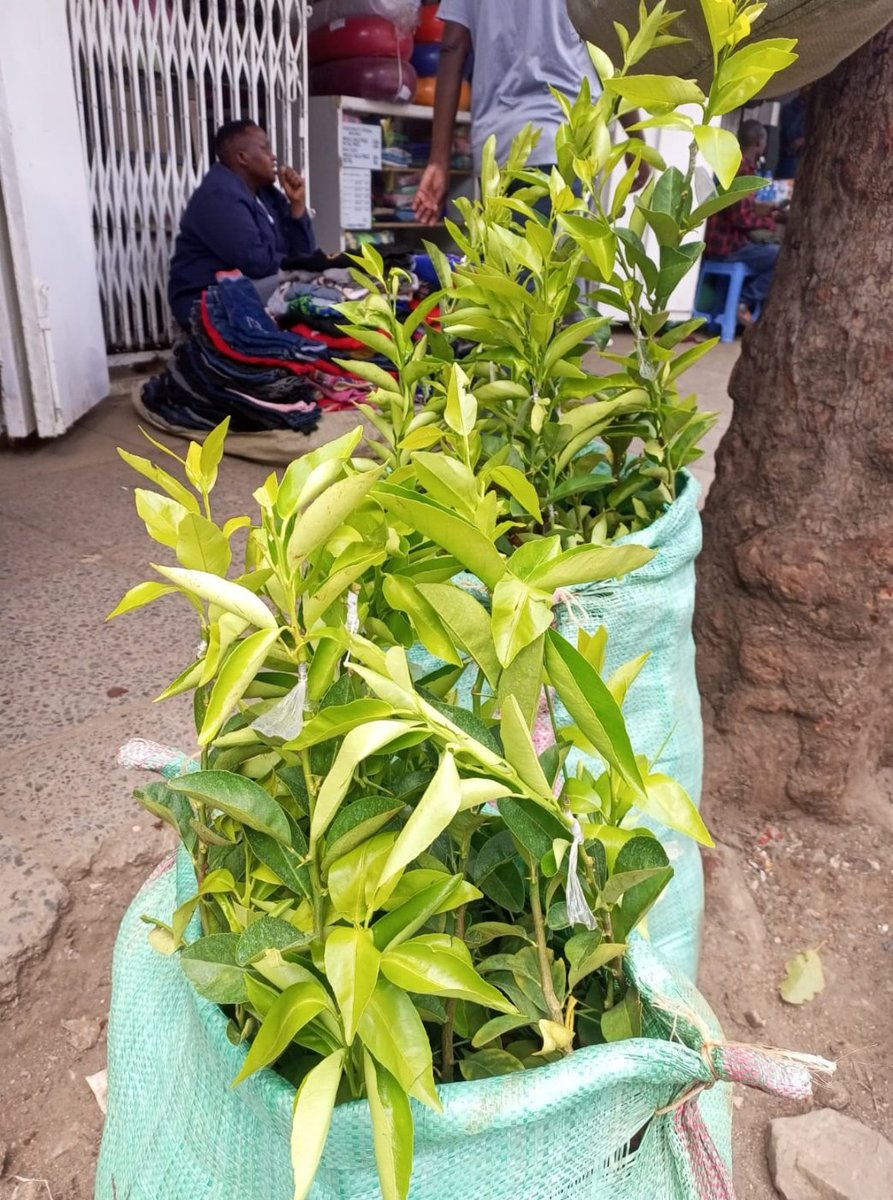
(297, 368)
(335, 343)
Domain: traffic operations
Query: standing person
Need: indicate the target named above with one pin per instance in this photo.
(793, 135)
(520, 48)
(738, 233)
(238, 220)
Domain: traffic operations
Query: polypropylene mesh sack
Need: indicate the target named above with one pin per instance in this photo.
(650, 609)
(644, 1119)
(177, 1131)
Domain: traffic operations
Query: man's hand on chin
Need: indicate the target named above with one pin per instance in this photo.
(295, 190)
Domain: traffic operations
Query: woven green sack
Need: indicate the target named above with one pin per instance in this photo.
(591, 1127)
(650, 609)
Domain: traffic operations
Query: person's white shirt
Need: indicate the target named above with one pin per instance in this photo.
(520, 48)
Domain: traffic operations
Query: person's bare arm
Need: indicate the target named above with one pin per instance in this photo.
(455, 47)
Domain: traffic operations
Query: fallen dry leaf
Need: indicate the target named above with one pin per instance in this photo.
(805, 978)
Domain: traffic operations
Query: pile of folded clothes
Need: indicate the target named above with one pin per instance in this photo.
(236, 363)
(274, 367)
(305, 303)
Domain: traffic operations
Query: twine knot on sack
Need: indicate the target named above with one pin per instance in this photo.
(777, 1072)
(142, 754)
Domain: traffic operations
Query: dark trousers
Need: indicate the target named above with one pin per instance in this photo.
(761, 258)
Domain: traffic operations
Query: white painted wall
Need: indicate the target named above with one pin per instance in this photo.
(51, 337)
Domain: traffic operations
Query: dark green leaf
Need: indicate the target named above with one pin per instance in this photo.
(169, 806)
(532, 825)
(268, 933)
(483, 932)
(496, 1028)
(211, 966)
(240, 798)
(467, 722)
(489, 1064)
(497, 872)
(668, 193)
(586, 952)
(283, 861)
(357, 822)
(638, 854)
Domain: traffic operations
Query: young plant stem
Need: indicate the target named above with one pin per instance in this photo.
(446, 1036)
(550, 705)
(476, 693)
(539, 929)
(315, 879)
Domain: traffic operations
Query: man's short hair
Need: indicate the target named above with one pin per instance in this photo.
(227, 135)
(751, 133)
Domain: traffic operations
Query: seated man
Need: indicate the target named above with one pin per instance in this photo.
(237, 220)
(731, 234)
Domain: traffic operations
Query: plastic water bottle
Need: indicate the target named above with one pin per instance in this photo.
(768, 192)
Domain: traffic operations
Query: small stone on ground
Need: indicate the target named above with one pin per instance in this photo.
(824, 1155)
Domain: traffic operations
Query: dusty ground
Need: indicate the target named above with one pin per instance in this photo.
(70, 843)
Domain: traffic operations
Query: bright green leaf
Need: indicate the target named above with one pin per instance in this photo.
(227, 595)
(136, 597)
(314, 1105)
(289, 1013)
(392, 1129)
(433, 970)
(352, 962)
(721, 149)
(593, 708)
(392, 1031)
(236, 675)
(433, 813)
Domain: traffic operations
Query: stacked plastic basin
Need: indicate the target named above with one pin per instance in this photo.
(426, 56)
(363, 54)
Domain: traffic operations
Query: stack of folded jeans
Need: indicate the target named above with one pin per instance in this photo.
(237, 362)
(279, 367)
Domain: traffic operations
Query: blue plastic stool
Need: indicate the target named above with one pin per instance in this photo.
(724, 311)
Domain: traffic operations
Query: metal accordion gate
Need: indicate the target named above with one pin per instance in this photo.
(154, 79)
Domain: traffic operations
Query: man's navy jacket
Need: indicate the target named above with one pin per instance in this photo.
(227, 227)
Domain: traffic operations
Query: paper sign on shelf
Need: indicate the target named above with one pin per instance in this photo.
(361, 146)
(356, 198)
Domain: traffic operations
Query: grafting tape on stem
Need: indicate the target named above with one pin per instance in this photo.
(578, 911)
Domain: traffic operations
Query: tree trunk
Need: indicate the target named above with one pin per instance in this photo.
(795, 599)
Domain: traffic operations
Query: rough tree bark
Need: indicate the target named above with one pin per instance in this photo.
(795, 598)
